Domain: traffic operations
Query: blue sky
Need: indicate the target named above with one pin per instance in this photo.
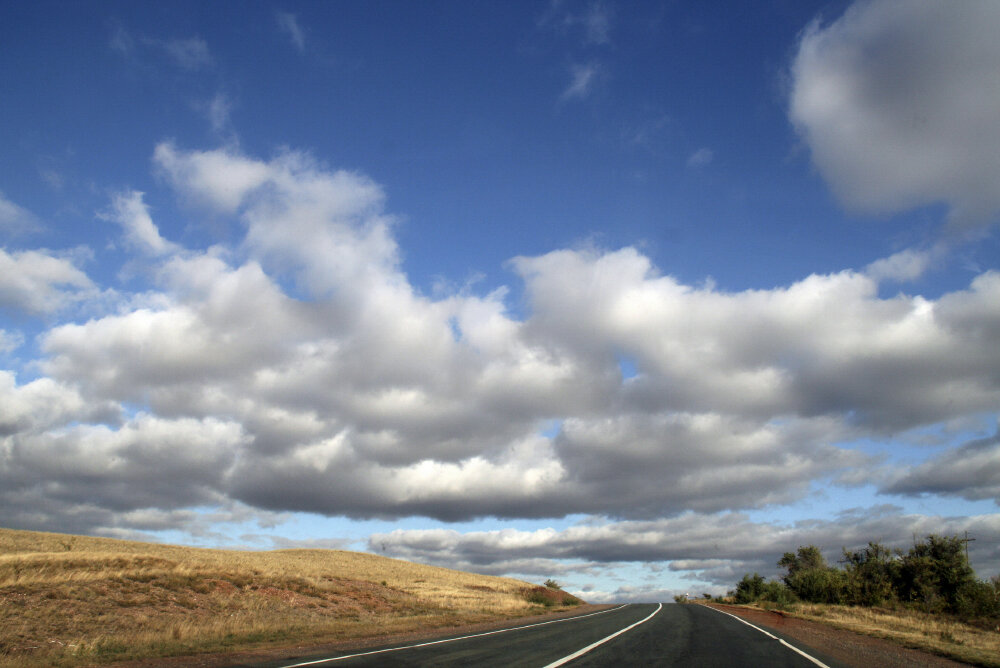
(634, 295)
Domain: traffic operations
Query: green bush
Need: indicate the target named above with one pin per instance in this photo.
(934, 575)
(549, 597)
(934, 572)
(749, 589)
(775, 592)
(826, 585)
(872, 574)
(539, 596)
(810, 579)
(979, 599)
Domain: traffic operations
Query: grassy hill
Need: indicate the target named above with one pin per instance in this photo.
(66, 600)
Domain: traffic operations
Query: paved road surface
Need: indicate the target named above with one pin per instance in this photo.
(631, 635)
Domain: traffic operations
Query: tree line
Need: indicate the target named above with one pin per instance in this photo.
(934, 576)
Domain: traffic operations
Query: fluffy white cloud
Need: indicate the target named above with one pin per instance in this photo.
(129, 211)
(319, 379)
(905, 265)
(826, 345)
(43, 404)
(899, 101)
(218, 179)
(40, 281)
(213, 332)
(10, 341)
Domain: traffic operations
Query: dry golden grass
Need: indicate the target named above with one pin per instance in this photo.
(66, 600)
(938, 634)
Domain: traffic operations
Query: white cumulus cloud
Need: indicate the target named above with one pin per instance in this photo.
(313, 376)
(129, 211)
(41, 281)
(899, 101)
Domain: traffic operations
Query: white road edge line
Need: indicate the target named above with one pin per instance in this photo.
(439, 642)
(579, 653)
(789, 646)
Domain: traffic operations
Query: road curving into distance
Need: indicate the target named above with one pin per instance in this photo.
(628, 635)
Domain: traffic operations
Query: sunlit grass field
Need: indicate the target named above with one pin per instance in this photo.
(66, 600)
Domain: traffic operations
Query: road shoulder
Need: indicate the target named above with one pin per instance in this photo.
(845, 647)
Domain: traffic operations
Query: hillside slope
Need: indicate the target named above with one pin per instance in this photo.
(72, 599)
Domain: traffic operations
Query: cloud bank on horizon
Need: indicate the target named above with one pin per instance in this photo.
(293, 365)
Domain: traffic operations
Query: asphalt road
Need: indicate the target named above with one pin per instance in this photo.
(632, 635)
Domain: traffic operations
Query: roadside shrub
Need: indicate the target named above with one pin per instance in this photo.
(540, 596)
(825, 585)
(775, 592)
(934, 576)
(934, 572)
(753, 588)
(549, 597)
(872, 573)
(749, 589)
(979, 599)
(811, 579)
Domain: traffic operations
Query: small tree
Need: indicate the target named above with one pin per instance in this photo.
(552, 584)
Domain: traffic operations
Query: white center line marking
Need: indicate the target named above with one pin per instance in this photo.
(579, 653)
(439, 642)
(791, 647)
